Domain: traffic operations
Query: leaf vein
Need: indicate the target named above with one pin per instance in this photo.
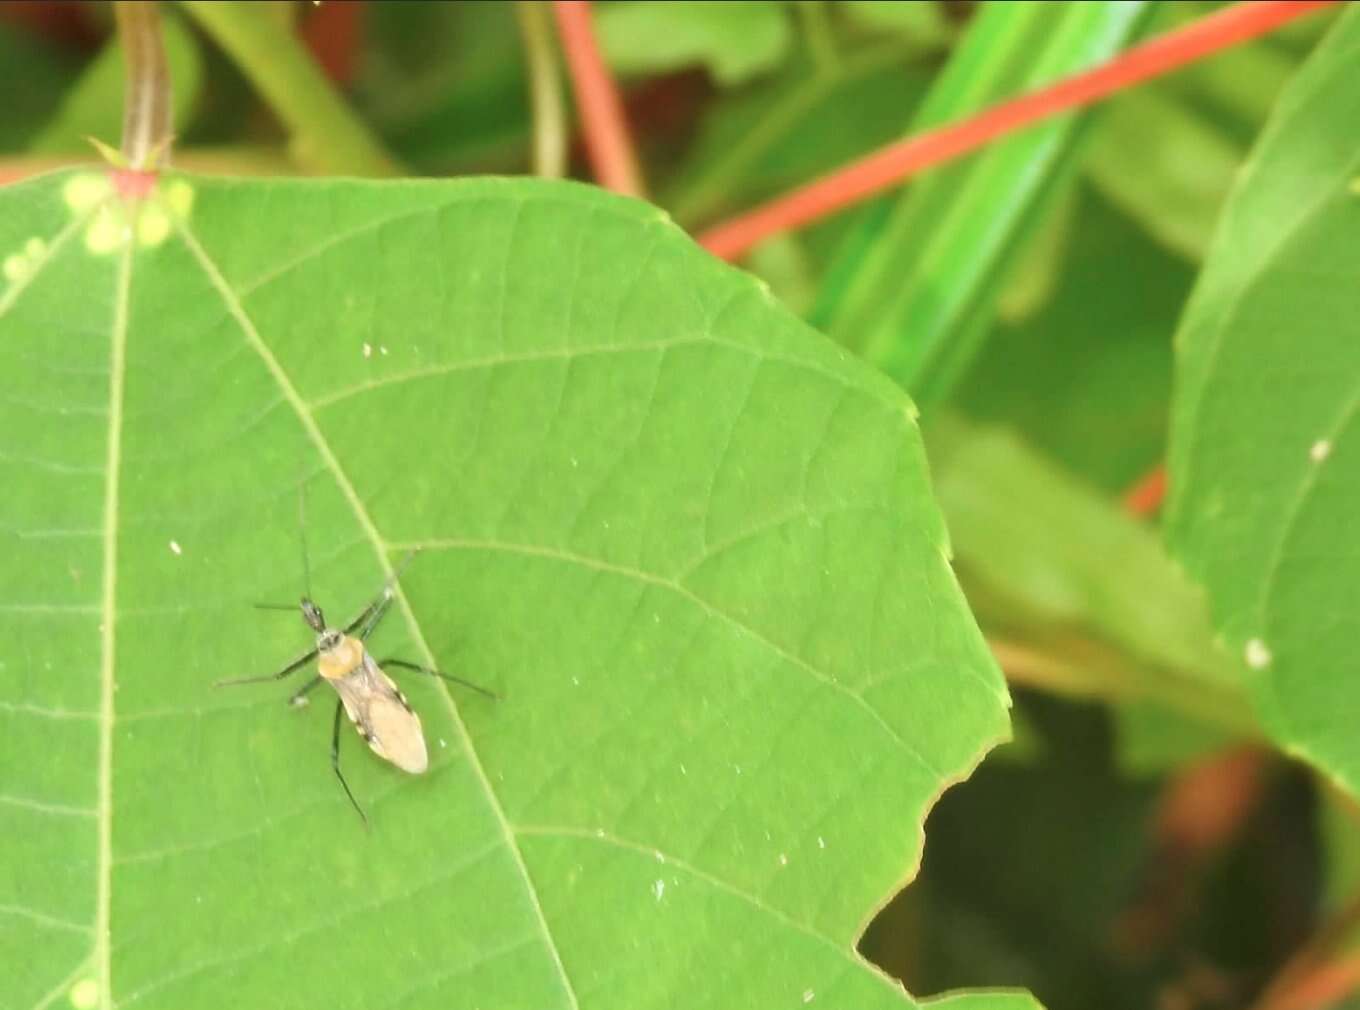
(237, 309)
(569, 557)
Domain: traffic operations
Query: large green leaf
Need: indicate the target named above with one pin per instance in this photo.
(1265, 466)
(689, 541)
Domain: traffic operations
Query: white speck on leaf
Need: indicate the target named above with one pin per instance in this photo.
(382, 350)
(808, 995)
(821, 842)
(1258, 654)
(368, 350)
(1320, 450)
(443, 743)
(174, 546)
(659, 888)
(783, 859)
(660, 856)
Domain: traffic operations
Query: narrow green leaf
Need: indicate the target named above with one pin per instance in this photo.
(1265, 469)
(917, 286)
(688, 541)
(326, 135)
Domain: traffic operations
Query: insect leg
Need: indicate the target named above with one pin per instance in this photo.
(292, 667)
(299, 697)
(403, 664)
(374, 613)
(335, 760)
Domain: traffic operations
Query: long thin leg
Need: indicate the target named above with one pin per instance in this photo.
(374, 613)
(335, 760)
(371, 617)
(292, 667)
(405, 665)
(299, 697)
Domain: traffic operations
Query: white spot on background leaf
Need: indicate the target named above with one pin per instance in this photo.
(659, 888)
(1257, 654)
(808, 995)
(783, 859)
(368, 350)
(1320, 450)
(821, 842)
(175, 547)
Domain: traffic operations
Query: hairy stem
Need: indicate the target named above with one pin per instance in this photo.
(146, 96)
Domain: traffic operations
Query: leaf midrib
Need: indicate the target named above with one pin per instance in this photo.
(98, 956)
(108, 638)
(237, 310)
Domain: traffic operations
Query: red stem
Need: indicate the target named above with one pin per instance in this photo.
(899, 161)
(608, 143)
(1145, 497)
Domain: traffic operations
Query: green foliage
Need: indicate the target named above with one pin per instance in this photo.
(1263, 476)
(953, 235)
(688, 540)
(736, 41)
(648, 498)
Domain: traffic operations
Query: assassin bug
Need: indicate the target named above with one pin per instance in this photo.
(377, 708)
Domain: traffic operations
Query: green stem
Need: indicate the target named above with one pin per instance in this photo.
(545, 91)
(326, 135)
(146, 95)
(818, 36)
(705, 194)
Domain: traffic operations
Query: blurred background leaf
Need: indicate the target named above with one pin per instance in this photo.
(1263, 476)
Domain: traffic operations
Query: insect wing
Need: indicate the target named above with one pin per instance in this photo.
(382, 717)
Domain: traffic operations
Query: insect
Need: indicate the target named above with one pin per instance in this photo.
(377, 708)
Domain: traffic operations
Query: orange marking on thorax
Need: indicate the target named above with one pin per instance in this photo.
(341, 661)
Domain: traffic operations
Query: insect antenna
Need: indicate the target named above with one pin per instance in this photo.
(302, 537)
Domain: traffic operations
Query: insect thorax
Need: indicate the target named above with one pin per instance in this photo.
(338, 655)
